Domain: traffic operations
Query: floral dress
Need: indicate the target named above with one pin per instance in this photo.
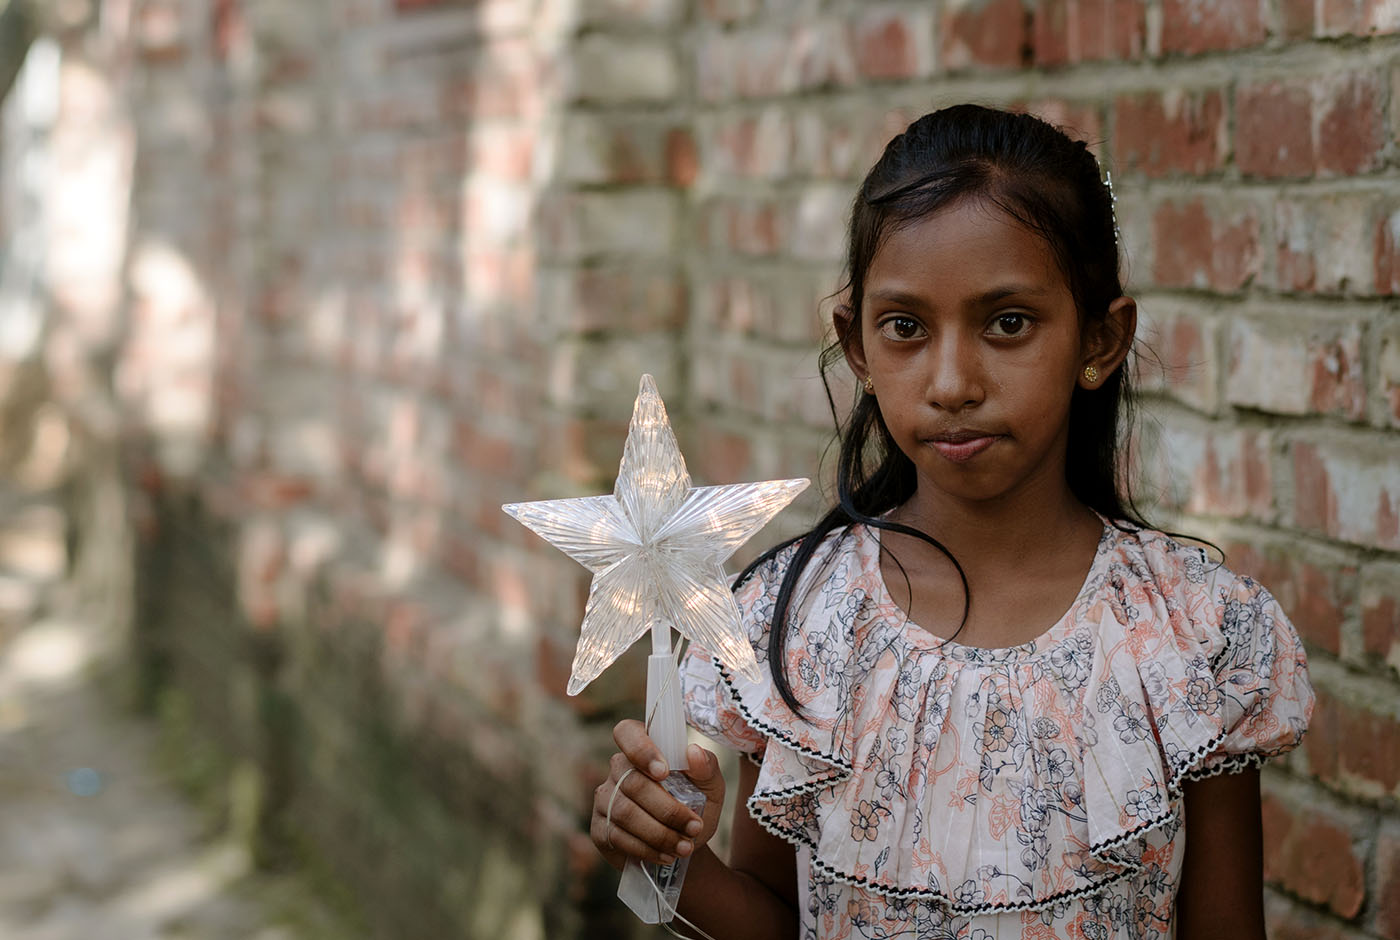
(934, 790)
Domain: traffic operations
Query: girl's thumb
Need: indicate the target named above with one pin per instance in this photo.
(703, 768)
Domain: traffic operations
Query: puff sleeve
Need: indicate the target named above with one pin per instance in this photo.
(1258, 689)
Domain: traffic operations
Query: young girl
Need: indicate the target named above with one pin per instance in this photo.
(995, 703)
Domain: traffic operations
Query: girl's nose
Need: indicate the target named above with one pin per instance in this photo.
(956, 380)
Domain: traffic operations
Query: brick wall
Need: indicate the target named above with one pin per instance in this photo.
(392, 264)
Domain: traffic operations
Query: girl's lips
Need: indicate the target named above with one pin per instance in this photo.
(959, 451)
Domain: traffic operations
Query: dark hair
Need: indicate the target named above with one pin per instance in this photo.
(1051, 184)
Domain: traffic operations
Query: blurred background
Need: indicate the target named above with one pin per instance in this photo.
(294, 294)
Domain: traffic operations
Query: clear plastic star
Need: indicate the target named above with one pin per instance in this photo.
(656, 547)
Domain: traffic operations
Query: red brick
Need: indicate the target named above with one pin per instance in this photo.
(893, 42)
(1358, 18)
(584, 450)
(1353, 747)
(1071, 31)
(160, 31)
(1205, 248)
(229, 28)
(751, 227)
(1380, 614)
(1273, 129)
(1217, 471)
(821, 54)
(1387, 901)
(1297, 18)
(1347, 492)
(682, 158)
(774, 61)
(1313, 852)
(772, 305)
(1051, 26)
(1179, 356)
(1351, 130)
(1315, 590)
(1388, 378)
(722, 456)
(1341, 17)
(595, 299)
(1325, 245)
(1322, 359)
(728, 11)
(752, 146)
(488, 453)
(984, 33)
(1386, 243)
(1160, 133)
(604, 149)
(1381, 17)
(1195, 26)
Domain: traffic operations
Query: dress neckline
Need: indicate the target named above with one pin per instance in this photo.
(924, 639)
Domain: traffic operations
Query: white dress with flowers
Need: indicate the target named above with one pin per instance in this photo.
(934, 790)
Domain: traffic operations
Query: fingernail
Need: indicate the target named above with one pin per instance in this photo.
(658, 768)
(683, 847)
(692, 828)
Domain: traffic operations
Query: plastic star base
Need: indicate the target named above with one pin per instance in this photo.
(657, 547)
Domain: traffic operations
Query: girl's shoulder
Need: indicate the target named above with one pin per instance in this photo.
(1189, 589)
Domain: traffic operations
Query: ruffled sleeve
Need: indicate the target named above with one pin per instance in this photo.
(1256, 694)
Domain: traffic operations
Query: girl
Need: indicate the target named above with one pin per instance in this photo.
(995, 703)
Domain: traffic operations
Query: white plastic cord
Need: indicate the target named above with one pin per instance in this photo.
(613, 799)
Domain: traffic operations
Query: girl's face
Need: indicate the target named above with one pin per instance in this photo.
(971, 337)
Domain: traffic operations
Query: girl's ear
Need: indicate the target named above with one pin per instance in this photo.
(843, 318)
(1106, 345)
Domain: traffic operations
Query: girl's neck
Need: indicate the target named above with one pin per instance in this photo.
(999, 531)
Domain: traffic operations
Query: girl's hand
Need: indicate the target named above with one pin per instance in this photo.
(647, 822)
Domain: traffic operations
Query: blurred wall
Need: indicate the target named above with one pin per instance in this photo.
(323, 283)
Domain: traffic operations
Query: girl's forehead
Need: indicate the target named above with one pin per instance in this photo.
(969, 240)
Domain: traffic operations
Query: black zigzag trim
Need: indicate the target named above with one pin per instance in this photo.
(797, 837)
(773, 731)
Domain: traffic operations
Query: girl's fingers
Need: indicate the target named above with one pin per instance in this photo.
(654, 800)
(632, 739)
(620, 845)
(645, 811)
(641, 828)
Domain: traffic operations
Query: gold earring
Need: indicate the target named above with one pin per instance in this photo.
(1091, 373)
(869, 385)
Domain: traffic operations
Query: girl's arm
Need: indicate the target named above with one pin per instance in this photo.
(757, 891)
(1222, 877)
(754, 896)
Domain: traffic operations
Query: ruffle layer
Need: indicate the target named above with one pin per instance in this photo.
(1002, 780)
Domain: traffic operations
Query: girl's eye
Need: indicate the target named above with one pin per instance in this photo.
(1010, 324)
(901, 328)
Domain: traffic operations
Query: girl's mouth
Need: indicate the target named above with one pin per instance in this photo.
(963, 449)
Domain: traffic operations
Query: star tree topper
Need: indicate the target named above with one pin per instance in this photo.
(656, 548)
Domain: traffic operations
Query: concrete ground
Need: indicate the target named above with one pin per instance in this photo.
(95, 842)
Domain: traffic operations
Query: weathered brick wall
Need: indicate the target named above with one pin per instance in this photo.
(1253, 150)
(391, 265)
